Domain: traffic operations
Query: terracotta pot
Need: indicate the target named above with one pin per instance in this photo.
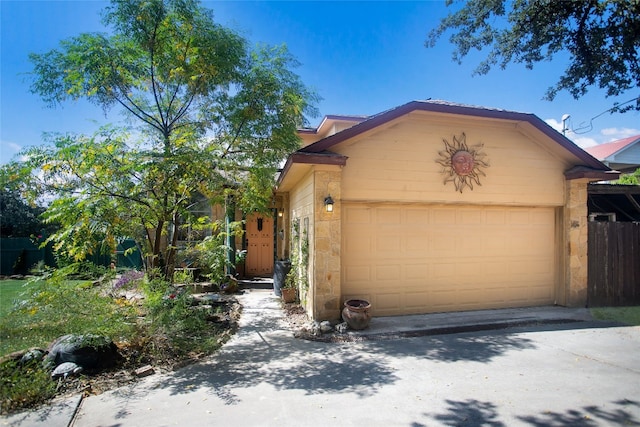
(356, 313)
(289, 294)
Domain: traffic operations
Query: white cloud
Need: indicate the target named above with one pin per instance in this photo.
(8, 150)
(605, 135)
(613, 134)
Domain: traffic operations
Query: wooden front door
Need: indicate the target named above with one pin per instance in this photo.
(259, 234)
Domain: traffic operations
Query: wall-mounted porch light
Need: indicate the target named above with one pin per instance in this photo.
(328, 204)
(280, 213)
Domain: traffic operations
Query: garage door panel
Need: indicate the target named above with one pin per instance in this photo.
(388, 216)
(357, 274)
(416, 271)
(387, 243)
(385, 273)
(444, 216)
(387, 301)
(438, 258)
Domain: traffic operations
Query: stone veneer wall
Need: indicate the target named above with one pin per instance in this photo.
(326, 247)
(576, 239)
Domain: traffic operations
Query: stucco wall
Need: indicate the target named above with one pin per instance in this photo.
(301, 199)
(399, 164)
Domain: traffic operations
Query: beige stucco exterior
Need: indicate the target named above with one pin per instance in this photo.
(402, 238)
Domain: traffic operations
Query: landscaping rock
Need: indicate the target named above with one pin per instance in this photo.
(144, 371)
(325, 327)
(342, 327)
(36, 354)
(66, 369)
(89, 351)
(18, 356)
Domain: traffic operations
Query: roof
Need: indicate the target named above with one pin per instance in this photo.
(319, 152)
(440, 106)
(334, 117)
(608, 149)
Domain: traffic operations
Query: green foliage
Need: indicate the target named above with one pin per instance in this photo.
(213, 257)
(173, 318)
(53, 306)
(627, 315)
(165, 327)
(630, 179)
(24, 385)
(298, 275)
(602, 38)
(183, 277)
(209, 117)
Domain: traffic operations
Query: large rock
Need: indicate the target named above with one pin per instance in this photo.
(88, 351)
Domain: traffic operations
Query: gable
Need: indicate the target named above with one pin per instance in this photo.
(562, 155)
(443, 108)
(399, 162)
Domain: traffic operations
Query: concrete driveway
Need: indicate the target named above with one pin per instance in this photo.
(567, 374)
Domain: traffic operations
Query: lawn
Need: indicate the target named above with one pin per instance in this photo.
(10, 291)
(627, 315)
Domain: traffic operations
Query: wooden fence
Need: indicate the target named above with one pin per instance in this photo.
(614, 264)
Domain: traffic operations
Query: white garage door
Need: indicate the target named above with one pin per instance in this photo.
(408, 259)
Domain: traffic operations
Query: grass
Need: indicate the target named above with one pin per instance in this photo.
(11, 291)
(50, 309)
(626, 315)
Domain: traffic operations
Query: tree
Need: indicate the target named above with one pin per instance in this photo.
(208, 116)
(630, 179)
(17, 218)
(602, 38)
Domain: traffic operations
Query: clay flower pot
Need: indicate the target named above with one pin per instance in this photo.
(289, 294)
(356, 313)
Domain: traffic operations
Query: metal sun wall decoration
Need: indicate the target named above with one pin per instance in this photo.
(462, 164)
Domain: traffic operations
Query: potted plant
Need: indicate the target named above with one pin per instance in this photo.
(356, 313)
(289, 290)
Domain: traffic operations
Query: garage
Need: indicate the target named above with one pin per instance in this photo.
(414, 259)
(438, 207)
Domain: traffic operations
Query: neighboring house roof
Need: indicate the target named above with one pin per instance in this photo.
(590, 168)
(620, 154)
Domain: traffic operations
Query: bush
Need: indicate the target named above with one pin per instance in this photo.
(214, 257)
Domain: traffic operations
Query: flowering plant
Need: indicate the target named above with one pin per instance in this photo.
(128, 279)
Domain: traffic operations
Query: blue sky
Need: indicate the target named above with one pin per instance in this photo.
(360, 57)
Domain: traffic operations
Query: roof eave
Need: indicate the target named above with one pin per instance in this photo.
(299, 157)
(438, 107)
(579, 172)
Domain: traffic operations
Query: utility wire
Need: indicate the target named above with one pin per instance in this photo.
(589, 127)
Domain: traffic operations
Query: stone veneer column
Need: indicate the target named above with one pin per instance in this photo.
(576, 240)
(326, 274)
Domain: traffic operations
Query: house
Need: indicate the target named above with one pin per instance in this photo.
(434, 206)
(622, 155)
(614, 202)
